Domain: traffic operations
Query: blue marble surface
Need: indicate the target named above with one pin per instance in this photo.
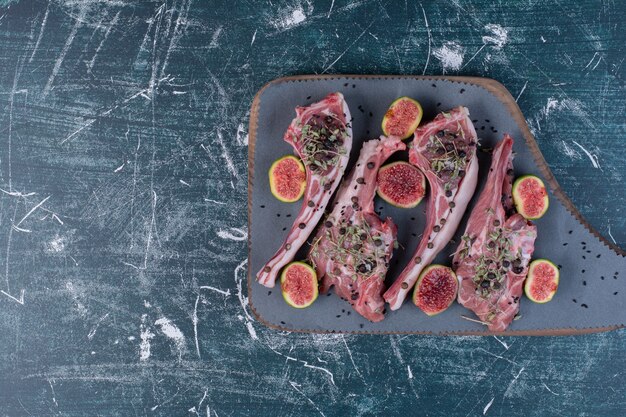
(123, 190)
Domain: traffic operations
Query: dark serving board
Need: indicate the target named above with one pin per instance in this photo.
(592, 288)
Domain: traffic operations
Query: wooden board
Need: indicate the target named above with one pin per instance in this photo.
(500, 92)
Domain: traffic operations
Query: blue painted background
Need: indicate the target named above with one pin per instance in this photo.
(123, 160)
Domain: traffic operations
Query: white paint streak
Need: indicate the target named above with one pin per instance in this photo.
(348, 48)
(253, 37)
(215, 37)
(592, 157)
(408, 368)
(238, 235)
(503, 343)
(549, 390)
(194, 321)
(611, 236)
(43, 26)
(207, 287)
(497, 37)
(145, 335)
(229, 162)
(332, 377)
(66, 48)
(93, 331)
(32, 210)
(295, 387)
(487, 406)
(521, 91)
(251, 330)
(17, 300)
(289, 18)
(332, 4)
(106, 36)
(170, 330)
(451, 55)
(119, 168)
(508, 389)
(243, 300)
(241, 136)
(569, 152)
(350, 355)
(208, 200)
(56, 245)
(430, 39)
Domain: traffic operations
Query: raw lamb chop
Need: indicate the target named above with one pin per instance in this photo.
(322, 136)
(353, 247)
(445, 151)
(492, 259)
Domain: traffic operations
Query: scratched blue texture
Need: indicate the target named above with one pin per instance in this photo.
(123, 189)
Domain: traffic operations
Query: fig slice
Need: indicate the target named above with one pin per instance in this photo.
(402, 118)
(299, 284)
(436, 289)
(530, 197)
(542, 281)
(401, 184)
(287, 179)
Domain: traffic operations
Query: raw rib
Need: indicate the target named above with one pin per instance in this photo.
(445, 151)
(496, 248)
(321, 135)
(353, 247)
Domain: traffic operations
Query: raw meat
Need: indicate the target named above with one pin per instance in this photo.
(445, 151)
(353, 247)
(322, 136)
(491, 262)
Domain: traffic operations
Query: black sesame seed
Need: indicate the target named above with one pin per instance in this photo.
(311, 203)
(496, 222)
(371, 165)
(585, 283)
(436, 228)
(584, 305)
(451, 204)
(302, 225)
(328, 223)
(404, 285)
(262, 206)
(462, 90)
(430, 245)
(360, 180)
(267, 269)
